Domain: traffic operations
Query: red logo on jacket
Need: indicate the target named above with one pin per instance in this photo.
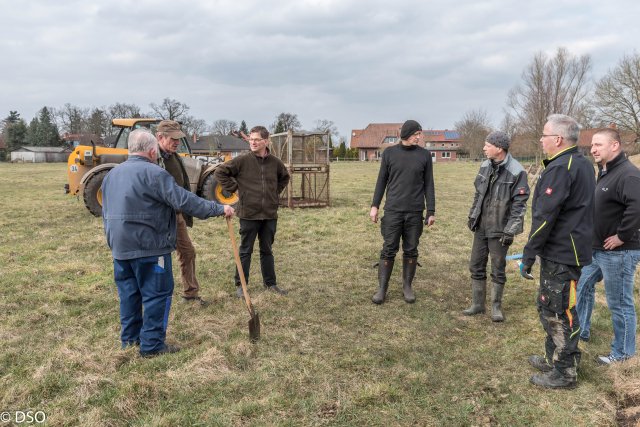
(548, 191)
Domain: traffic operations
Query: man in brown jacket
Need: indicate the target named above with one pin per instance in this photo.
(169, 137)
(259, 177)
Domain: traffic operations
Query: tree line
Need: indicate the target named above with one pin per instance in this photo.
(50, 124)
(560, 83)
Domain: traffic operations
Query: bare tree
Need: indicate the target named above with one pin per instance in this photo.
(224, 127)
(617, 95)
(324, 125)
(72, 119)
(550, 85)
(192, 126)
(284, 122)
(474, 128)
(170, 109)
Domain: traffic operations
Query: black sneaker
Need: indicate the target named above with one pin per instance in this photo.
(277, 290)
(199, 300)
(540, 363)
(554, 379)
(167, 349)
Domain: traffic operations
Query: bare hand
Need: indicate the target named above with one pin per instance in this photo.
(430, 221)
(373, 214)
(612, 242)
(228, 211)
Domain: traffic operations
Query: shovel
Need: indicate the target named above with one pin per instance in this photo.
(254, 321)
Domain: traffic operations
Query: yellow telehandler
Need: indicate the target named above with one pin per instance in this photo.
(88, 165)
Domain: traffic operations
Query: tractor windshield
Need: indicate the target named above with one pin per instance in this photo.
(121, 141)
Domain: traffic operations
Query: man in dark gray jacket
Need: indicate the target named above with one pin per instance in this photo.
(496, 216)
(140, 200)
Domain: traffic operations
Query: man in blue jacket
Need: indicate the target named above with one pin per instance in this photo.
(140, 200)
(561, 228)
(616, 245)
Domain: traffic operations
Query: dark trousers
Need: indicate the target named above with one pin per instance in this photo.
(482, 248)
(145, 286)
(265, 231)
(405, 225)
(558, 315)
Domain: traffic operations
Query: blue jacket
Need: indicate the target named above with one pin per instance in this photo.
(139, 201)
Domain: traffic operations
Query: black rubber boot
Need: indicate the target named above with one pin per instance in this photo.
(384, 273)
(554, 379)
(408, 273)
(479, 295)
(496, 299)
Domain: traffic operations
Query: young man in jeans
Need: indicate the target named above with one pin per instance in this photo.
(616, 245)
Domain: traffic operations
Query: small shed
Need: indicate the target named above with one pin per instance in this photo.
(40, 154)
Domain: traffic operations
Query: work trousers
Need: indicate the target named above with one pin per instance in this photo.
(405, 225)
(558, 315)
(482, 248)
(265, 231)
(145, 286)
(187, 259)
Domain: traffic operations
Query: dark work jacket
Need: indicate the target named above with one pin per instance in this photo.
(563, 211)
(173, 164)
(500, 202)
(259, 182)
(618, 204)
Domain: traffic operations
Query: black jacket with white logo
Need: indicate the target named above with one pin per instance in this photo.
(562, 211)
(618, 204)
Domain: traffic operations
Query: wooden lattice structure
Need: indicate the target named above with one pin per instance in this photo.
(306, 156)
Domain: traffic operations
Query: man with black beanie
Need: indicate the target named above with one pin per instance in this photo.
(406, 174)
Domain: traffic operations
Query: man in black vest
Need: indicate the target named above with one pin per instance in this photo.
(169, 136)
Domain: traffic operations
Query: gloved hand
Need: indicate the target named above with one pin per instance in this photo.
(525, 271)
(506, 239)
(470, 224)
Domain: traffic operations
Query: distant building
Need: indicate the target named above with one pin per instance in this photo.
(376, 137)
(75, 139)
(40, 154)
(226, 146)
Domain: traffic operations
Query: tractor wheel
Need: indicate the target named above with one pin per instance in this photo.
(92, 193)
(212, 190)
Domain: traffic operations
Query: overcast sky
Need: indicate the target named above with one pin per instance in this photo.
(350, 61)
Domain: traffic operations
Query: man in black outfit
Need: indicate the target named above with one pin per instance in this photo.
(406, 174)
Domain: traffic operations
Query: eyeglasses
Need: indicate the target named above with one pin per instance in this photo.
(544, 136)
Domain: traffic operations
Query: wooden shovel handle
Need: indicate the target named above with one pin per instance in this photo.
(236, 256)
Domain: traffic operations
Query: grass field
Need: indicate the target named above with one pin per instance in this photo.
(327, 355)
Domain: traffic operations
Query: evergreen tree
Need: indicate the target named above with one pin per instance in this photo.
(15, 134)
(33, 138)
(243, 128)
(48, 132)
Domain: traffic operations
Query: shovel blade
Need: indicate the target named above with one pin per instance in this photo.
(254, 327)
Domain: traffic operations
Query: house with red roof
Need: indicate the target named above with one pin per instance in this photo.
(376, 137)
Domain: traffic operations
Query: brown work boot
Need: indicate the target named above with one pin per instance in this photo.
(408, 273)
(478, 296)
(384, 273)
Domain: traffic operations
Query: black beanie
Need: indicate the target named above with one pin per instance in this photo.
(409, 128)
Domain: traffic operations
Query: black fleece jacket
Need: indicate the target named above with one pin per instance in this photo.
(618, 204)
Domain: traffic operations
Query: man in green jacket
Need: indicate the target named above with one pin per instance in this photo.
(259, 177)
(169, 137)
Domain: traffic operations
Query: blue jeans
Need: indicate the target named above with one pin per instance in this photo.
(586, 298)
(618, 270)
(145, 286)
